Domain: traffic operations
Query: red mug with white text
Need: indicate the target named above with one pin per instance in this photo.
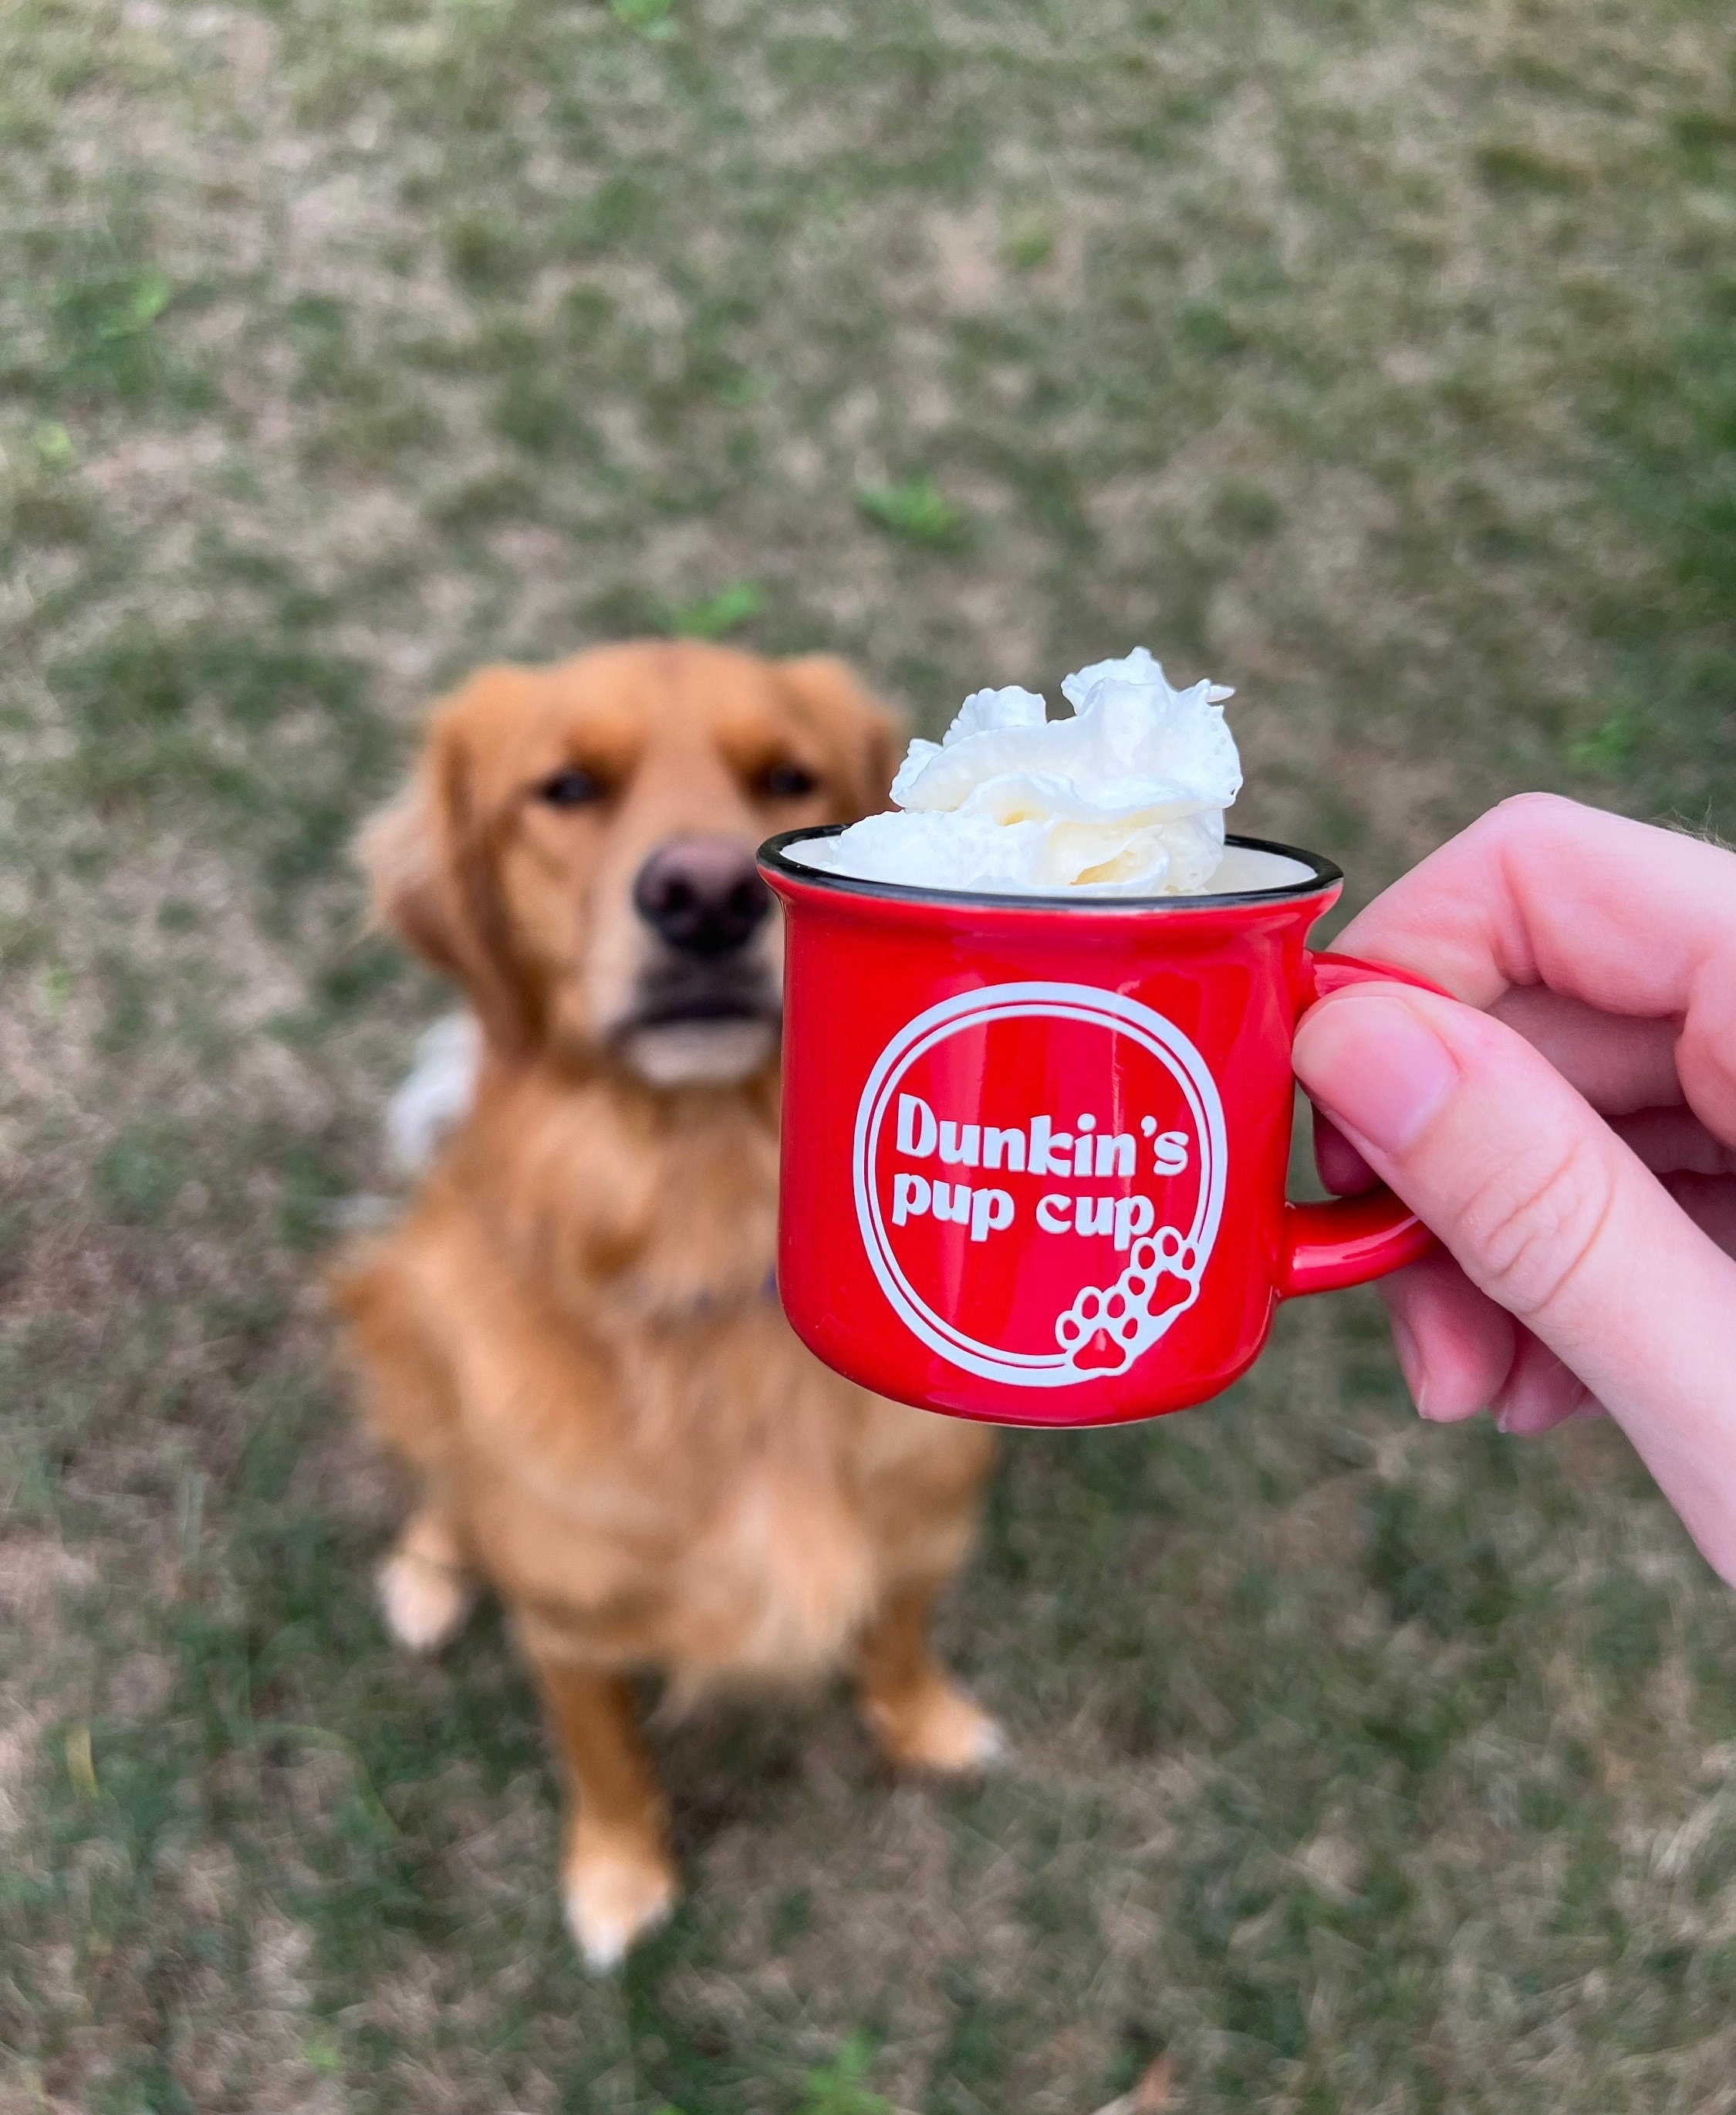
(1034, 1152)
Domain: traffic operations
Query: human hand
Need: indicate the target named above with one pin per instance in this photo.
(1569, 1131)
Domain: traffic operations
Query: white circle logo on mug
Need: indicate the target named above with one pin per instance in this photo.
(1039, 1175)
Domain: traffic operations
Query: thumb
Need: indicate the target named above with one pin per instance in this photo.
(1546, 1210)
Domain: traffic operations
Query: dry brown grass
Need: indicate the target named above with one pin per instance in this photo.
(1376, 359)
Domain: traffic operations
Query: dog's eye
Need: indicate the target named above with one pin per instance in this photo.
(786, 781)
(572, 788)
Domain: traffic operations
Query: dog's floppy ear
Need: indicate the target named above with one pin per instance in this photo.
(431, 870)
(868, 735)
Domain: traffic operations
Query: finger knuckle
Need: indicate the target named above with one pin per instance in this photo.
(1523, 823)
(1537, 1224)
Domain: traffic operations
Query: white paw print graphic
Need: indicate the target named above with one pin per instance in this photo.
(1105, 1331)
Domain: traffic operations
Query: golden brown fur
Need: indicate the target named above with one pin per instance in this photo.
(570, 1336)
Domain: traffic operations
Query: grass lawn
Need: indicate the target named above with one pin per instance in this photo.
(1377, 358)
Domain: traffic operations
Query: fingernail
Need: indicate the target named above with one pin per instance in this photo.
(1375, 1065)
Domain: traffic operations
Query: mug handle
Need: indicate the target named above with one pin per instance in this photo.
(1346, 1241)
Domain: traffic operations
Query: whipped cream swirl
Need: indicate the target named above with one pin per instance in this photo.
(1125, 798)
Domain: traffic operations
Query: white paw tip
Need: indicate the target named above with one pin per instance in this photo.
(990, 1744)
(953, 1740)
(611, 1907)
(603, 1947)
(424, 1604)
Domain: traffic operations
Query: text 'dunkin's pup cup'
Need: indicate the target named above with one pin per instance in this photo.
(1034, 1152)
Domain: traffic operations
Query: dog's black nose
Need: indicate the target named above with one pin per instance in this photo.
(703, 895)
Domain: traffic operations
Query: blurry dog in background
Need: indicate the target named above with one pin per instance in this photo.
(573, 1337)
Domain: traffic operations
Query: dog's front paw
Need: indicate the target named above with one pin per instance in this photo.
(616, 1891)
(937, 1729)
(424, 1603)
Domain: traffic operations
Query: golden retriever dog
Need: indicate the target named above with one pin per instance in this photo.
(574, 1339)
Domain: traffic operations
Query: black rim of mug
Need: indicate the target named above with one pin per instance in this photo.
(1322, 874)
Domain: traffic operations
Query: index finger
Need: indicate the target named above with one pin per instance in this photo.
(1628, 919)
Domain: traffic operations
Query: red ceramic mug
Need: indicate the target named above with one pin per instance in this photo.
(1034, 1153)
